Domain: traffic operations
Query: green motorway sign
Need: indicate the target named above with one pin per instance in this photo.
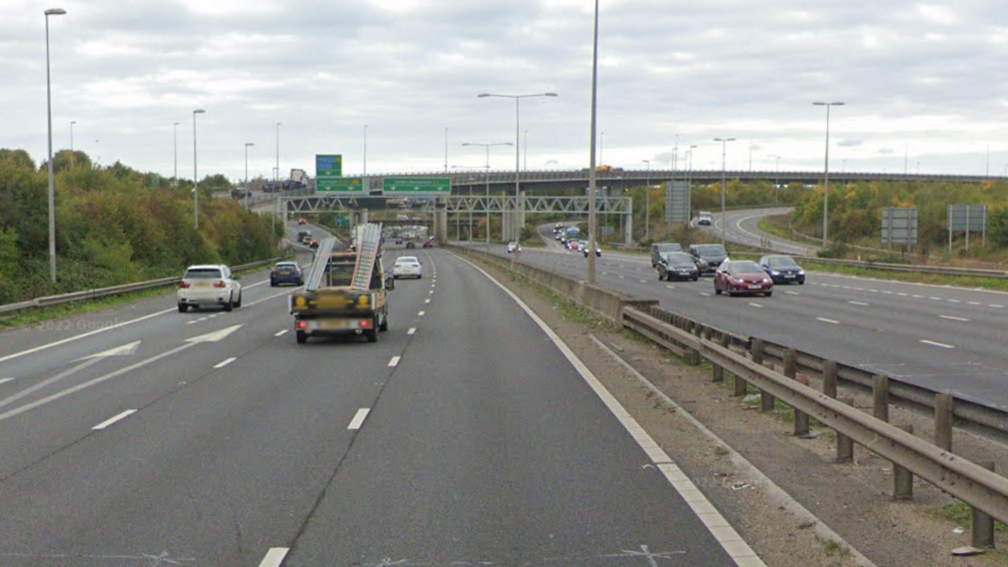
(418, 186)
(339, 185)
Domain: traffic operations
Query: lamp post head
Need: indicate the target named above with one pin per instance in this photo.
(482, 95)
(72, 122)
(247, 144)
(55, 12)
(551, 94)
(175, 124)
(199, 111)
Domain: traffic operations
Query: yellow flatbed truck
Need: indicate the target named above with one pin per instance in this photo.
(346, 292)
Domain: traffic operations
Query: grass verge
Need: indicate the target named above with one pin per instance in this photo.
(959, 513)
(910, 277)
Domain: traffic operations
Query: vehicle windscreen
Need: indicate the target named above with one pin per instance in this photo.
(340, 274)
(745, 268)
(286, 266)
(680, 260)
(668, 247)
(407, 260)
(203, 274)
(781, 262)
(712, 250)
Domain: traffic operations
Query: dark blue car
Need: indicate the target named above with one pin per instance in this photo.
(286, 273)
(782, 269)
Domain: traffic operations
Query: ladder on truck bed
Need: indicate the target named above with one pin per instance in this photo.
(368, 240)
(318, 269)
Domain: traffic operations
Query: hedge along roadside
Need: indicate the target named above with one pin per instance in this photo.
(90, 294)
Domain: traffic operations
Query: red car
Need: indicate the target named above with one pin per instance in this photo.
(742, 277)
(302, 221)
(428, 244)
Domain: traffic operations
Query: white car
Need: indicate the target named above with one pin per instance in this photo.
(513, 247)
(407, 267)
(705, 219)
(208, 285)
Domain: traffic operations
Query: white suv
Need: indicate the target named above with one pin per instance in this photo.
(203, 286)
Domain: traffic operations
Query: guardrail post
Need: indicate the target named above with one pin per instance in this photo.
(801, 420)
(756, 351)
(944, 406)
(982, 525)
(902, 478)
(767, 400)
(880, 397)
(718, 372)
(844, 444)
(708, 333)
(829, 378)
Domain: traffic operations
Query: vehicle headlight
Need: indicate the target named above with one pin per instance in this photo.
(801, 272)
(774, 273)
(766, 280)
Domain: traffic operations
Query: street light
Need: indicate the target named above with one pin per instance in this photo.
(175, 152)
(825, 219)
(525, 151)
(487, 204)
(519, 213)
(446, 149)
(276, 176)
(647, 202)
(248, 190)
(194, 169)
(724, 149)
(591, 157)
(72, 122)
(689, 164)
(52, 185)
(365, 150)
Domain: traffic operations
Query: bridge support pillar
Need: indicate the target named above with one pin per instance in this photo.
(364, 216)
(441, 222)
(628, 229)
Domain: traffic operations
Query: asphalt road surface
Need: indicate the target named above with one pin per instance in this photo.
(464, 436)
(944, 338)
(742, 227)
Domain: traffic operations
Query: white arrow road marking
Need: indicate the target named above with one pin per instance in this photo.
(210, 337)
(124, 350)
(280, 333)
(225, 362)
(114, 419)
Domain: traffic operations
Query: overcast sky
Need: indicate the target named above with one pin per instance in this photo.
(922, 80)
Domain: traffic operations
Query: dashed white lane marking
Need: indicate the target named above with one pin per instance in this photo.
(411, 331)
(280, 333)
(114, 419)
(951, 318)
(643, 281)
(622, 277)
(935, 298)
(932, 343)
(705, 294)
(5, 380)
(973, 303)
(421, 314)
(202, 319)
(395, 361)
(873, 291)
(954, 301)
(670, 286)
(918, 296)
(431, 292)
(996, 306)
(791, 292)
(224, 363)
(901, 294)
(830, 321)
(861, 303)
(190, 322)
(358, 420)
(274, 557)
(756, 305)
(426, 301)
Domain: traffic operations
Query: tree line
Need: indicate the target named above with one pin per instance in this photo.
(113, 227)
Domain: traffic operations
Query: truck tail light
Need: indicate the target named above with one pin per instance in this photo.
(301, 325)
(365, 324)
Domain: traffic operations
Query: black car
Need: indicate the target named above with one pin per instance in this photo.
(659, 249)
(286, 272)
(677, 266)
(782, 269)
(708, 257)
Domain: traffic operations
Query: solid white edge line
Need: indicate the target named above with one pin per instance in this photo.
(274, 557)
(225, 362)
(951, 318)
(933, 343)
(5, 380)
(774, 493)
(725, 534)
(411, 331)
(395, 361)
(114, 419)
(825, 320)
(280, 333)
(358, 418)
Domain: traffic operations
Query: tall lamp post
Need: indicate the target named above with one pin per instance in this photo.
(825, 218)
(647, 202)
(248, 191)
(485, 168)
(724, 150)
(175, 153)
(194, 169)
(446, 149)
(365, 150)
(520, 209)
(52, 184)
(276, 176)
(487, 204)
(591, 157)
(72, 122)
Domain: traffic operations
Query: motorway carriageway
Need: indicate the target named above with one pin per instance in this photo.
(466, 436)
(943, 338)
